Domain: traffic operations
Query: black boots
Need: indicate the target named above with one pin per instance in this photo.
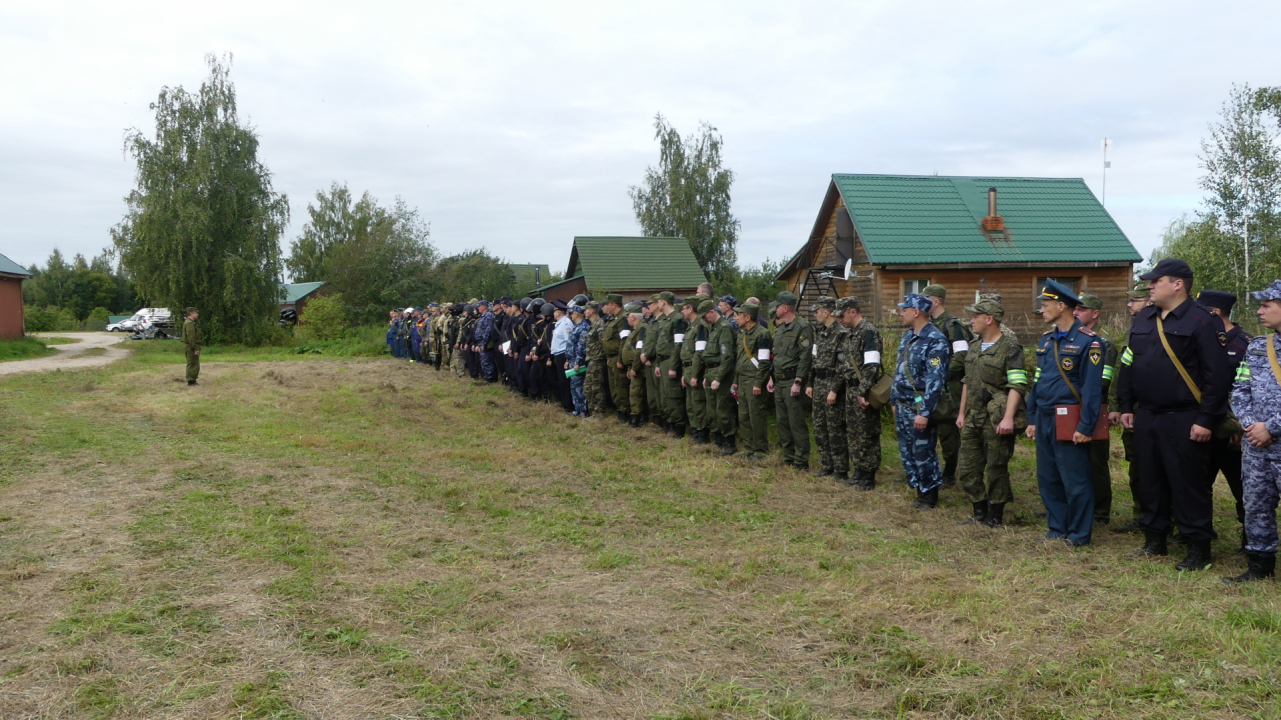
(623, 418)
(700, 436)
(1261, 567)
(1153, 546)
(865, 480)
(1198, 556)
(841, 477)
(635, 422)
(823, 472)
(729, 445)
(926, 500)
(995, 515)
(979, 514)
(678, 431)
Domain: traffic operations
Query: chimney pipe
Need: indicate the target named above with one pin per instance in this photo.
(991, 202)
(993, 222)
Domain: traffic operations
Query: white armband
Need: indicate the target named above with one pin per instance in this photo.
(624, 334)
(640, 344)
(871, 357)
(680, 338)
(814, 350)
(960, 346)
(700, 345)
(762, 354)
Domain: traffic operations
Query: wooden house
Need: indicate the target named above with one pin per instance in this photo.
(898, 233)
(297, 295)
(635, 267)
(12, 318)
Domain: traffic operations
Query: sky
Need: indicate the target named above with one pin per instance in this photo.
(515, 126)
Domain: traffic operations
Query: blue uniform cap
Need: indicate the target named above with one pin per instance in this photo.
(917, 301)
(1223, 301)
(483, 302)
(1055, 290)
(729, 300)
(1271, 292)
(575, 308)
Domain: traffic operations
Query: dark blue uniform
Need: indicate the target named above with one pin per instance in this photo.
(1063, 468)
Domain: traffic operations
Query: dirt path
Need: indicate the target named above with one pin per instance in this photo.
(69, 357)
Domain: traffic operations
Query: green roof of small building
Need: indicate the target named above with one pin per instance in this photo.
(523, 273)
(9, 267)
(635, 263)
(293, 292)
(911, 219)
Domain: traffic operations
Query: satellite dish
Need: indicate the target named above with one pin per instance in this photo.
(848, 264)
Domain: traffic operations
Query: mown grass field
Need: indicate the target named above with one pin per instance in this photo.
(308, 537)
(26, 348)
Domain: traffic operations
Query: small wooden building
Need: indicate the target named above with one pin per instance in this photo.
(297, 295)
(635, 267)
(12, 318)
(899, 233)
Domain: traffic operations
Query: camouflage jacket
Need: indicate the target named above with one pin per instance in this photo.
(828, 340)
(860, 358)
(923, 362)
(1256, 393)
(990, 375)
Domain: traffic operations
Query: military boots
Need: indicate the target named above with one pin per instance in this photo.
(1261, 566)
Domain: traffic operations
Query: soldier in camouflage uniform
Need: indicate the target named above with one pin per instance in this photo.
(718, 377)
(1256, 402)
(824, 393)
(991, 414)
(594, 383)
(751, 375)
(692, 370)
(919, 380)
(793, 342)
(1100, 450)
(959, 337)
(1136, 300)
(646, 346)
(611, 343)
(631, 358)
(860, 370)
(668, 361)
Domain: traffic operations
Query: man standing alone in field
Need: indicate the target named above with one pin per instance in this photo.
(191, 339)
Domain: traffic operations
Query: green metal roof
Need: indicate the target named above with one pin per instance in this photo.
(297, 291)
(9, 267)
(907, 219)
(635, 263)
(558, 283)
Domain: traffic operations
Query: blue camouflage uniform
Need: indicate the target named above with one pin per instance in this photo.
(925, 356)
(577, 356)
(1256, 397)
(1063, 467)
(484, 337)
(391, 337)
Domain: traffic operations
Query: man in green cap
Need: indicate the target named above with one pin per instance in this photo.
(991, 413)
(860, 365)
(653, 389)
(959, 337)
(692, 370)
(823, 390)
(793, 357)
(667, 353)
(751, 376)
(1100, 450)
(1135, 301)
(612, 343)
(630, 357)
(718, 377)
(191, 342)
(594, 383)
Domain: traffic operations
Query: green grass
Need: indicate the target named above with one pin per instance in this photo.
(50, 340)
(356, 342)
(370, 537)
(27, 348)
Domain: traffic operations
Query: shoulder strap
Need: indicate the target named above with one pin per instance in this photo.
(1272, 358)
(1059, 366)
(1160, 329)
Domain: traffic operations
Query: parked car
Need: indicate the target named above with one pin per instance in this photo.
(127, 325)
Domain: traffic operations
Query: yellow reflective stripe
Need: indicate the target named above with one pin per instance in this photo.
(1015, 375)
(1127, 357)
(1243, 372)
(1037, 376)
(1108, 372)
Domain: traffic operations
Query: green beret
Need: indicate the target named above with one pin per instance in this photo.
(1093, 302)
(705, 307)
(785, 298)
(937, 291)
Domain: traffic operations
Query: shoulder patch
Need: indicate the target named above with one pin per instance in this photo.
(935, 362)
(1086, 331)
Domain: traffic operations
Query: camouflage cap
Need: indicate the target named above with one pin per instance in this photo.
(691, 303)
(655, 297)
(614, 298)
(848, 302)
(189, 311)
(594, 304)
(917, 302)
(729, 300)
(1140, 290)
(987, 306)
(575, 309)
(1093, 302)
(935, 290)
(667, 296)
(824, 303)
(1271, 292)
(632, 307)
(785, 298)
(705, 307)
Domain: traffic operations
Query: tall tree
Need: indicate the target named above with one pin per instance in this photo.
(476, 274)
(688, 195)
(202, 227)
(333, 221)
(1242, 160)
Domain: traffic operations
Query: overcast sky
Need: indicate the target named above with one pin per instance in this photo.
(515, 126)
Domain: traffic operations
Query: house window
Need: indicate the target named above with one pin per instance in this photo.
(1071, 283)
(914, 286)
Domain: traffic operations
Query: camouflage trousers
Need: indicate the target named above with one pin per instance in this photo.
(829, 429)
(916, 450)
(594, 386)
(618, 384)
(983, 464)
(863, 435)
(1260, 492)
(459, 362)
(636, 395)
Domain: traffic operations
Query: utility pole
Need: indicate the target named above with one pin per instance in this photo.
(1106, 164)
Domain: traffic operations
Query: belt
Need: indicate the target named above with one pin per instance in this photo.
(711, 365)
(688, 364)
(784, 373)
(824, 374)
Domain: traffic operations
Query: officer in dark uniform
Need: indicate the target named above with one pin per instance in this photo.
(1069, 372)
(1225, 441)
(1173, 406)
